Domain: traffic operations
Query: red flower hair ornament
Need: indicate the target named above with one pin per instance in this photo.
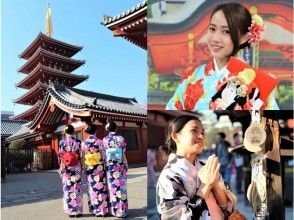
(256, 29)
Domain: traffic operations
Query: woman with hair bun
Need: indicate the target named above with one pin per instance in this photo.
(94, 163)
(116, 170)
(226, 82)
(187, 188)
(70, 173)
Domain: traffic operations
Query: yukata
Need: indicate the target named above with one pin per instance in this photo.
(178, 197)
(70, 173)
(237, 86)
(92, 150)
(116, 171)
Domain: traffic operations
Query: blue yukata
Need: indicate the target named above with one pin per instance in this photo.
(116, 169)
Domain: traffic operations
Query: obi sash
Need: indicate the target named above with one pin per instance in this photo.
(70, 159)
(114, 153)
(92, 159)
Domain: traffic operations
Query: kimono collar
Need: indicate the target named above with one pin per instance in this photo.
(187, 166)
(216, 68)
(112, 133)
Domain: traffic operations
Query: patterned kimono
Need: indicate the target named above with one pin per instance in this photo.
(92, 150)
(237, 86)
(178, 197)
(71, 176)
(115, 146)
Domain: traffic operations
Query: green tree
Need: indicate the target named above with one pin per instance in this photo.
(18, 144)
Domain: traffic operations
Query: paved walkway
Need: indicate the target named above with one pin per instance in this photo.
(38, 195)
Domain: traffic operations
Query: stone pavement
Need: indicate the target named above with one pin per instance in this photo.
(38, 196)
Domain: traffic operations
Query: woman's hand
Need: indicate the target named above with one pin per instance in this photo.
(209, 173)
(209, 176)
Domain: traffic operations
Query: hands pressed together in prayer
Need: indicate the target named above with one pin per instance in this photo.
(209, 176)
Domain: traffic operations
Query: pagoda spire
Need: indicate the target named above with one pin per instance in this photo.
(48, 20)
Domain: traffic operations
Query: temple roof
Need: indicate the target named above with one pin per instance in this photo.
(41, 39)
(36, 93)
(22, 132)
(28, 114)
(80, 99)
(45, 74)
(40, 53)
(10, 127)
(86, 103)
(131, 25)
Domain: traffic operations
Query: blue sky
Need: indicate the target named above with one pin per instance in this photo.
(115, 66)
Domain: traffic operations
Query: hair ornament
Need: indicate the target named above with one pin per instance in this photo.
(256, 29)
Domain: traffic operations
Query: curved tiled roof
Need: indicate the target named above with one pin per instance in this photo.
(81, 99)
(109, 19)
(10, 127)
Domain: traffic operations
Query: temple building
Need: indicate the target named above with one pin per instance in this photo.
(130, 25)
(55, 103)
(47, 59)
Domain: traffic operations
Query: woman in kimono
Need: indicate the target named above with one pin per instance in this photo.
(226, 82)
(116, 170)
(188, 188)
(94, 165)
(70, 173)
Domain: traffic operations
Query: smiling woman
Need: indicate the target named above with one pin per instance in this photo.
(226, 82)
(187, 188)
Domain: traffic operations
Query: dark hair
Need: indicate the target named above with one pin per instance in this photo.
(222, 135)
(69, 129)
(91, 129)
(110, 126)
(175, 126)
(239, 20)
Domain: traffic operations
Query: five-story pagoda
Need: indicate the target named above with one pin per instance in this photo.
(48, 59)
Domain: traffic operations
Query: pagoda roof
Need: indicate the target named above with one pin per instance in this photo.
(42, 38)
(47, 74)
(28, 114)
(131, 25)
(36, 93)
(42, 53)
(86, 103)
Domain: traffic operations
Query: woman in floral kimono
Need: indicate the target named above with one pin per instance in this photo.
(226, 82)
(70, 173)
(94, 165)
(116, 168)
(187, 188)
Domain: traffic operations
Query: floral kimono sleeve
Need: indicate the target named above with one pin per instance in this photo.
(177, 100)
(61, 151)
(271, 103)
(232, 199)
(173, 202)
